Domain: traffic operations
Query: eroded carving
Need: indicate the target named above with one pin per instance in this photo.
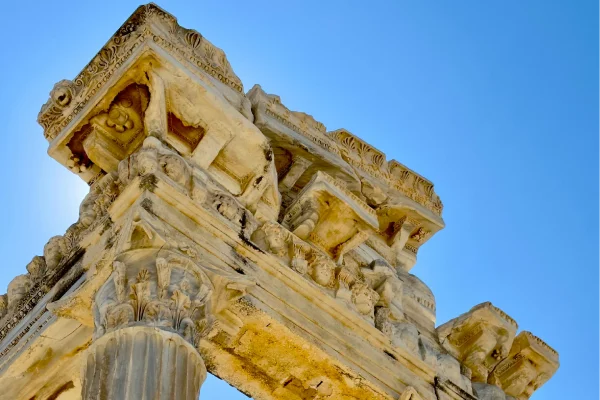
(54, 251)
(18, 288)
(165, 290)
(480, 338)
(328, 215)
(68, 99)
(530, 364)
(162, 129)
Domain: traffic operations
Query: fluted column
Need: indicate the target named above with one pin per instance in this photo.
(142, 362)
(149, 317)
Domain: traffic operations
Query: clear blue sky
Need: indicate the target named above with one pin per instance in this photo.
(495, 101)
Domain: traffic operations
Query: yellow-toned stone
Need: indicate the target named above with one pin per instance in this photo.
(225, 233)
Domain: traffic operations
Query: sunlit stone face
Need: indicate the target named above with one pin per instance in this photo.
(322, 273)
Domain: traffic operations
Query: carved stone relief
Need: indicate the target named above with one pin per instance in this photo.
(480, 338)
(530, 363)
(187, 180)
(329, 216)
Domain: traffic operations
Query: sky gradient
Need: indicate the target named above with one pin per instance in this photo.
(495, 102)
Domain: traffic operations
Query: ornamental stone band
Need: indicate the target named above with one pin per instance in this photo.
(225, 233)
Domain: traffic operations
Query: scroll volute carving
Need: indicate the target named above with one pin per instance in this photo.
(480, 339)
(530, 364)
(165, 289)
(115, 133)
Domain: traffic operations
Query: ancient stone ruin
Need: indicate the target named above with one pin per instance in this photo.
(225, 233)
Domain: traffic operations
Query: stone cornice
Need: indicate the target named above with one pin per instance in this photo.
(372, 161)
(147, 23)
(301, 123)
(541, 343)
(504, 315)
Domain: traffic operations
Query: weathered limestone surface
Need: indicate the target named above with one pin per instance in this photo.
(225, 233)
(142, 363)
(480, 339)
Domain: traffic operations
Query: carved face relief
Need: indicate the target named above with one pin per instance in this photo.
(119, 115)
(54, 251)
(300, 265)
(226, 207)
(117, 132)
(175, 168)
(87, 214)
(363, 298)
(276, 242)
(62, 93)
(322, 272)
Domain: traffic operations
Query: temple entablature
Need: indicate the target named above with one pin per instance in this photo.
(155, 78)
(225, 233)
(407, 208)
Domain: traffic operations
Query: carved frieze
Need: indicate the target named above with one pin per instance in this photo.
(25, 291)
(308, 260)
(198, 191)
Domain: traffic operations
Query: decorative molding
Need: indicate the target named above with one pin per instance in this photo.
(147, 23)
(367, 158)
(299, 122)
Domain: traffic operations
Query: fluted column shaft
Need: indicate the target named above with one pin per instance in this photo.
(142, 363)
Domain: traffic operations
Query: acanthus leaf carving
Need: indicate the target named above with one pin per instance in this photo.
(169, 291)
